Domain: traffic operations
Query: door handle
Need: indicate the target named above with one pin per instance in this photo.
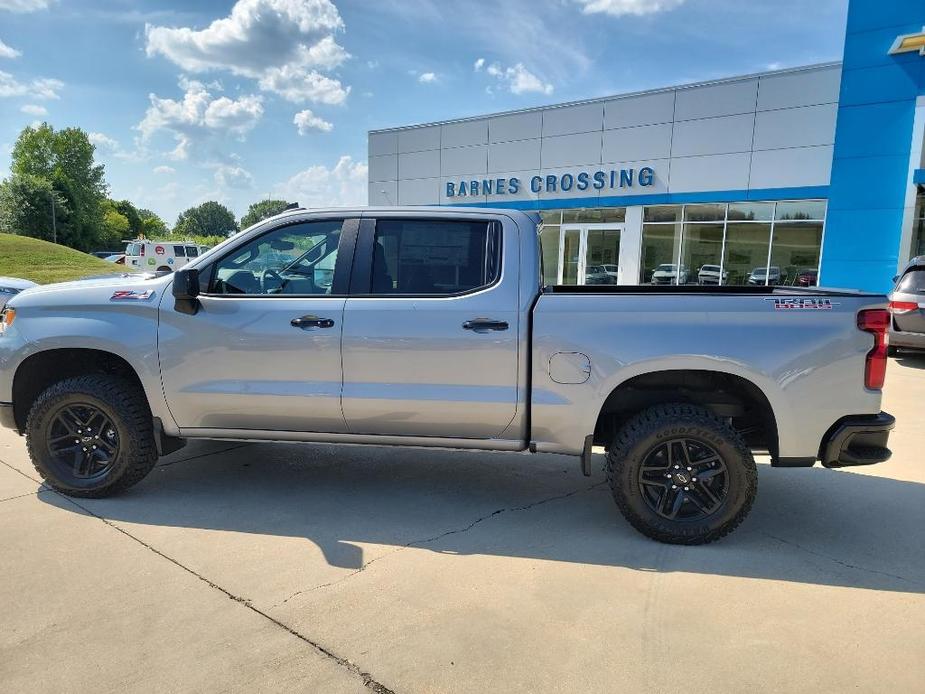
(481, 325)
(311, 322)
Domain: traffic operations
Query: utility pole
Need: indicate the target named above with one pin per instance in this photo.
(54, 228)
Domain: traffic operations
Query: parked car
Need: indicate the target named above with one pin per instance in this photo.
(612, 270)
(104, 255)
(161, 256)
(118, 258)
(435, 331)
(11, 286)
(710, 274)
(808, 277)
(907, 306)
(667, 273)
(770, 276)
(597, 274)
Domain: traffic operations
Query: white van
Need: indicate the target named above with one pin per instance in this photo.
(160, 256)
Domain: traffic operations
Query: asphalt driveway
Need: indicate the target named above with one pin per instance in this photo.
(315, 568)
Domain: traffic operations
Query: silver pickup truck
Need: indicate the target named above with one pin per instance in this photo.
(432, 327)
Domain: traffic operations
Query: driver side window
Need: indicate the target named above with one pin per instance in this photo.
(295, 259)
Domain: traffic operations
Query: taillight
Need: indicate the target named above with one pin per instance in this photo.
(877, 322)
(900, 307)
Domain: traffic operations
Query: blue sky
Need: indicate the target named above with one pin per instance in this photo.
(190, 101)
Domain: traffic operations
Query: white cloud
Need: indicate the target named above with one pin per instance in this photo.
(164, 170)
(198, 115)
(518, 79)
(306, 121)
(296, 85)
(41, 88)
(619, 8)
(319, 186)
(285, 45)
(427, 78)
(233, 176)
(479, 64)
(103, 141)
(23, 5)
(8, 51)
(34, 110)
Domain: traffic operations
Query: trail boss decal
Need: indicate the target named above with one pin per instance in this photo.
(802, 304)
(131, 295)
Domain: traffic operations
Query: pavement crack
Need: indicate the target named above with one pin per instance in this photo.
(202, 455)
(20, 496)
(835, 560)
(440, 536)
(368, 680)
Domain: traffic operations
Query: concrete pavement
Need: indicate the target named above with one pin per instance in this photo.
(272, 567)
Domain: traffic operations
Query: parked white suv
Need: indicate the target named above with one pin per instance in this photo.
(160, 256)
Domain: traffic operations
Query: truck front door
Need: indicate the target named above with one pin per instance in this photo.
(430, 343)
(263, 351)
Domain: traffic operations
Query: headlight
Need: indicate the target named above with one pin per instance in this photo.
(7, 316)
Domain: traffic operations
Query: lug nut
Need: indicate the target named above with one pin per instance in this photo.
(677, 467)
(687, 489)
(674, 486)
(689, 468)
(693, 479)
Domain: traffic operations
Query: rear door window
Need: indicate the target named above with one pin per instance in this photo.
(179, 251)
(434, 257)
(192, 251)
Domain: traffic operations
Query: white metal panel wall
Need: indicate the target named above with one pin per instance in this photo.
(767, 131)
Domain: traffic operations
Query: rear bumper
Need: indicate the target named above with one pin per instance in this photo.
(858, 440)
(899, 338)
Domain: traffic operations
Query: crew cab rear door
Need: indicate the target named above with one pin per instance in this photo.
(430, 341)
(263, 350)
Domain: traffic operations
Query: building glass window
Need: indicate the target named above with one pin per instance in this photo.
(918, 227)
(757, 243)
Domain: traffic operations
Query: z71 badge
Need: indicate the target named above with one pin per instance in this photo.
(131, 295)
(802, 304)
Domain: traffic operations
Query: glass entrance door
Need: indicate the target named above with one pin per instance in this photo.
(589, 253)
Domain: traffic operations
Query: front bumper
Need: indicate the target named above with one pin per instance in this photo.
(857, 440)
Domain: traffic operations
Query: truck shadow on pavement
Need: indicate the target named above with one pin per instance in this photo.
(812, 526)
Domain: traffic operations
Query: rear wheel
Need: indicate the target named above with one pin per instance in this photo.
(165, 268)
(91, 436)
(681, 475)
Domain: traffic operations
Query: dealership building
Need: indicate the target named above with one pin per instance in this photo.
(798, 176)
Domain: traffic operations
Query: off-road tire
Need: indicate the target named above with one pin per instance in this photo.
(642, 434)
(125, 404)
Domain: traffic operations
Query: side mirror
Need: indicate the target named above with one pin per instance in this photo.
(895, 277)
(186, 290)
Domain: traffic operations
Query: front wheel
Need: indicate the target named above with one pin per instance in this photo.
(681, 475)
(91, 436)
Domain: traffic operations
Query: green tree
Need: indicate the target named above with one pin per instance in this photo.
(208, 219)
(152, 226)
(65, 159)
(115, 227)
(130, 212)
(26, 207)
(262, 209)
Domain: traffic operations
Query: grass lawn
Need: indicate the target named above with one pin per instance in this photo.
(44, 262)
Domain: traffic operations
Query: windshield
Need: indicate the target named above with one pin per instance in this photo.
(664, 268)
(710, 268)
(132, 249)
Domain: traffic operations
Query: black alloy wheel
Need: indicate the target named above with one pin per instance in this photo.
(683, 480)
(82, 441)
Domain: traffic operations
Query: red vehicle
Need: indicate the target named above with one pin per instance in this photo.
(808, 278)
